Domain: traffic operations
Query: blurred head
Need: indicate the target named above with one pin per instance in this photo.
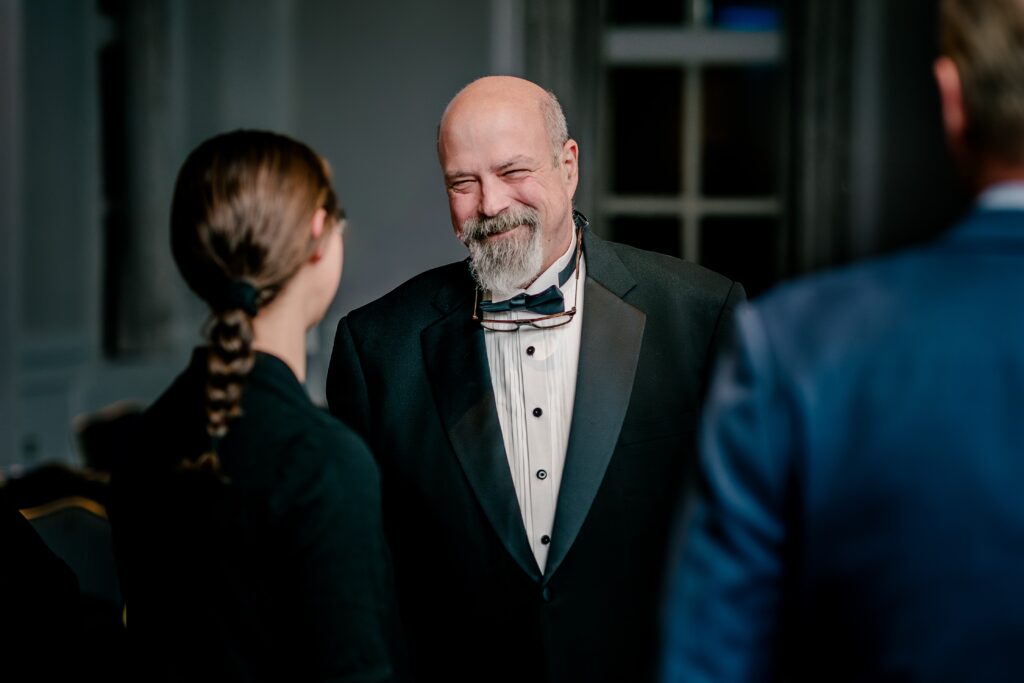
(250, 209)
(511, 172)
(981, 81)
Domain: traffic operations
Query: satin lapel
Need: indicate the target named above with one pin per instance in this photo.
(456, 360)
(609, 351)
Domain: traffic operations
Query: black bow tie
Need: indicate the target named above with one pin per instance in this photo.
(544, 303)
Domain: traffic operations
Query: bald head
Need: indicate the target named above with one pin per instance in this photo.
(494, 93)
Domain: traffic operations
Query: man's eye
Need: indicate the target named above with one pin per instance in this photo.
(460, 185)
(515, 173)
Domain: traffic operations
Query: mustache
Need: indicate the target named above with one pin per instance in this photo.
(478, 229)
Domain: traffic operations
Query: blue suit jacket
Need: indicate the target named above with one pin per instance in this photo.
(861, 513)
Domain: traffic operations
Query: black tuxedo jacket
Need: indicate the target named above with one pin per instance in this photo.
(409, 372)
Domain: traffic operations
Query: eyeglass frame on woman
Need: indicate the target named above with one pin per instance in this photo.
(515, 323)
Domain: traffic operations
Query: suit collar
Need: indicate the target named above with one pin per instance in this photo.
(605, 267)
(609, 352)
(456, 362)
(456, 359)
(455, 291)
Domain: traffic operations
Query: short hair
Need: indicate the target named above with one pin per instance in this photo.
(554, 122)
(985, 39)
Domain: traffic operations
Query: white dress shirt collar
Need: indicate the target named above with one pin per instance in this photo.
(1002, 196)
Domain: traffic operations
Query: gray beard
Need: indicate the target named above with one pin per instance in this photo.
(511, 263)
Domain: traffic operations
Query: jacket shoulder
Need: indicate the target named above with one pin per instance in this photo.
(411, 303)
(656, 271)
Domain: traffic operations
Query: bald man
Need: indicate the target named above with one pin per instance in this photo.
(533, 411)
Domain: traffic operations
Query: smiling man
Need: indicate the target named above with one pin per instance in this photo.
(533, 412)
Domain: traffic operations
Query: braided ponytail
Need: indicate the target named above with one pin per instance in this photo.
(243, 204)
(228, 361)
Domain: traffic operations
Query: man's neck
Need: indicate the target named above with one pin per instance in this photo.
(549, 276)
(564, 243)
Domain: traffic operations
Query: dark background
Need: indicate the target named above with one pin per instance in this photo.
(763, 139)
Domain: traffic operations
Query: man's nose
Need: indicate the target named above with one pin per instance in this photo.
(493, 198)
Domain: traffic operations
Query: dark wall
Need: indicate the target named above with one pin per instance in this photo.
(87, 139)
(920, 194)
(869, 171)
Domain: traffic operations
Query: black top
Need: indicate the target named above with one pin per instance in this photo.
(279, 574)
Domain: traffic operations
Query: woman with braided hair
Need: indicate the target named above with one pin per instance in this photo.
(246, 520)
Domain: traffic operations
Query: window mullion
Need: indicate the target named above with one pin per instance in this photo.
(690, 218)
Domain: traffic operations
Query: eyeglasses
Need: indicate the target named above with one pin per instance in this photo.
(543, 322)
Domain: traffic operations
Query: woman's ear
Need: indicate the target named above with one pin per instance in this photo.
(317, 232)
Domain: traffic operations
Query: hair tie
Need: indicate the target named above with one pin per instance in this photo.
(240, 294)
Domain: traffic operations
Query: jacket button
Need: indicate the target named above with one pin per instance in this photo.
(546, 594)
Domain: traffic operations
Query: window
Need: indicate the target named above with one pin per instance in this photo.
(692, 136)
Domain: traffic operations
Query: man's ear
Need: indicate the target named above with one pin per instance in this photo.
(569, 165)
(954, 116)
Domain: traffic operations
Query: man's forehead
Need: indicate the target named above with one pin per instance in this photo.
(500, 135)
(476, 113)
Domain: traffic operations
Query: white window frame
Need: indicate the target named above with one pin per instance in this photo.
(691, 47)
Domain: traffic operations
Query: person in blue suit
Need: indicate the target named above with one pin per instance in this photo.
(861, 506)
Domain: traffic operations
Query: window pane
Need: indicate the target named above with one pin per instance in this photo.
(657, 233)
(645, 12)
(647, 124)
(745, 15)
(741, 248)
(742, 125)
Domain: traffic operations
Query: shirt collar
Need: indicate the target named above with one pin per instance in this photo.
(1008, 195)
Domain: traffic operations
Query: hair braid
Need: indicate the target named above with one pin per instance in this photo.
(228, 361)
